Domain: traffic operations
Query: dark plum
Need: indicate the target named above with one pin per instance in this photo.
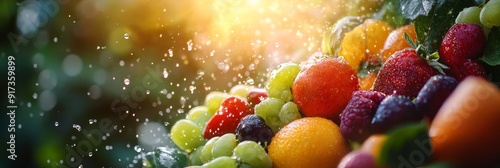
(252, 127)
(434, 93)
(393, 111)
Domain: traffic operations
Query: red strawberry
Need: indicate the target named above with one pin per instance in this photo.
(256, 95)
(227, 117)
(404, 73)
(460, 50)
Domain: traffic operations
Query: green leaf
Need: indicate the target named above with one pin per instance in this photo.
(492, 48)
(432, 27)
(480, 2)
(390, 14)
(406, 146)
(411, 9)
(170, 158)
(410, 41)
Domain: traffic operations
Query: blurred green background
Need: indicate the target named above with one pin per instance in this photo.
(124, 70)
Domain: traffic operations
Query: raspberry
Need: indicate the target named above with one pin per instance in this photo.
(392, 111)
(356, 118)
(434, 93)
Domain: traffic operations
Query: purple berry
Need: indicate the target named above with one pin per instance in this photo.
(252, 127)
(392, 111)
(355, 120)
(434, 93)
(357, 159)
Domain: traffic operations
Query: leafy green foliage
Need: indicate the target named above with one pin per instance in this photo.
(432, 19)
(406, 146)
(170, 158)
(491, 50)
(391, 14)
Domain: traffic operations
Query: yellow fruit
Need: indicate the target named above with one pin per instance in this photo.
(373, 144)
(396, 41)
(308, 142)
(465, 129)
(364, 42)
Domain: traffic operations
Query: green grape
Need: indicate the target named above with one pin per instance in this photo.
(187, 135)
(253, 154)
(213, 101)
(224, 146)
(269, 110)
(206, 152)
(471, 15)
(490, 14)
(289, 112)
(282, 80)
(240, 90)
(195, 156)
(199, 115)
(221, 162)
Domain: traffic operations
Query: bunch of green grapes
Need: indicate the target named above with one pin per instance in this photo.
(225, 151)
(279, 109)
(486, 16)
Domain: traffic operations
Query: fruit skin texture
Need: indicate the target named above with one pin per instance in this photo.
(403, 74)
(323, 88)
(355, 120)
(490, 15)
(308, 142)
(252, 127)
(393, 111)
(465, 130)
(396, 41)
(364, 42)
(460, 50)
(357, 159)
(227, 118)
(434, 93)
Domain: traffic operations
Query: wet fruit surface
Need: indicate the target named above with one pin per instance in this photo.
(323, 88)
(308, 142)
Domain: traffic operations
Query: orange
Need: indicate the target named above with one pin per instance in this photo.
(396, 41)
(308, 142)
(374, 144)
(465, 129)
(366, 82)
(364, 42)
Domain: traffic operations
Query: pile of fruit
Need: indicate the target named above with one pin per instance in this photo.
(408, 89)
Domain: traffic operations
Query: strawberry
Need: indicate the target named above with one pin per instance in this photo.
(405, 73)
(460, 50)
(227, 117)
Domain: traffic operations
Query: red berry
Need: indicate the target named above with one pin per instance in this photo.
(227, 117)
(405, 73)
(256, 95)
(460, 50)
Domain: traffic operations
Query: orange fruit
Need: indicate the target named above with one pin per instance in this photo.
(323, 88)
(366, 82)
(465, 129)
(396, 41)
(374, 144)
(364, 42)
(308, 142)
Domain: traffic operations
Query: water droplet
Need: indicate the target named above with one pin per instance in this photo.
(126, 81)
(122, 63)
(165, 73)
(90, 154)
(35, 96)
(92, 121)
(77, 127)
(56, 123)
(170, 52)
(190, 45)
(137, 148)
(126, 36)
(56, 39)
